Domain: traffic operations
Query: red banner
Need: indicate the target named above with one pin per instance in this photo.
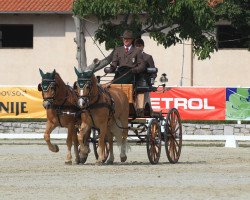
(192, 103)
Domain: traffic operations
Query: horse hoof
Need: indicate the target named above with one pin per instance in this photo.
(110, 162)
(83, 160)
(123, 159)
(56, 148)
(77, 161)
(99, 163)
(68, 162)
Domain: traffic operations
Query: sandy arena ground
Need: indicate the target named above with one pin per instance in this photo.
(31, 171)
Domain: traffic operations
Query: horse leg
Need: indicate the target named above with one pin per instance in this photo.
(121, 138)
(123, 155)
(101, 149)
(86, 142)
(84, 130)
(49, 128)
(70, 137)
(76, 144)
(110, 161)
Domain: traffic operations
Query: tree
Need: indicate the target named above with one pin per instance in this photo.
(167, 22)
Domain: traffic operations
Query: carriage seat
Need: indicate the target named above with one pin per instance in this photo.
(145, 81)
(142, 82)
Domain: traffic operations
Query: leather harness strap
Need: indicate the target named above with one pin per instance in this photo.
(97, 105)
(61, 107)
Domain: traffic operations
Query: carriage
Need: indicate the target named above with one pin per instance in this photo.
(145, 125)
(155, 128)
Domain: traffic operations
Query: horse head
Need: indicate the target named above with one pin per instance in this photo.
(48, 88)
(85, 87)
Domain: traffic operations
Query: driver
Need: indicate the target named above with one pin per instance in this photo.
(126, 58)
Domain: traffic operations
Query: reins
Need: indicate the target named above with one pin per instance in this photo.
(109, 83)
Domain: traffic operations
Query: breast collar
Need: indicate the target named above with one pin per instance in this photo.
(96, 104)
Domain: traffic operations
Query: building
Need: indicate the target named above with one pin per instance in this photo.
(40, 34)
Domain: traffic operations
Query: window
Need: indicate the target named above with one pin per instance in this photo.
(229, 37)
(16, 36)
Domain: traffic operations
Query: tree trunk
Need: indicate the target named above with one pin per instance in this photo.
(80, 42)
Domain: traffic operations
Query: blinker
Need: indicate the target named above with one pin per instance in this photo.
(45, 85)
(81, 82)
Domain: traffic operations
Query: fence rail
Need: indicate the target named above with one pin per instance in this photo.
(230, 140)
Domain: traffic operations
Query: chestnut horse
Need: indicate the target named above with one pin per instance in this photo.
(60, 102)
(107, 110)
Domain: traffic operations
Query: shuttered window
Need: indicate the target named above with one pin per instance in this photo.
(16, 36)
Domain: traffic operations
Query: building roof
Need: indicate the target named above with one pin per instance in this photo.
(36, 6)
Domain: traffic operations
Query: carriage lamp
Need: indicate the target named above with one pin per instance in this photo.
(163, 78)
(152, 81)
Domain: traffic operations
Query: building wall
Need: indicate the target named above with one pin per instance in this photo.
(54, 48)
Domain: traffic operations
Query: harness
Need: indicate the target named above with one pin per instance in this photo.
(110, 106)
(84, 81)
(60, 108)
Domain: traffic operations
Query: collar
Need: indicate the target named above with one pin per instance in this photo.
(128, 47)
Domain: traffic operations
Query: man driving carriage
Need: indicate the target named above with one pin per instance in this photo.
(126, 60)
(131, 67)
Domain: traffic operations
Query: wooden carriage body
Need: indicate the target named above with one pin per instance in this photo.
(139, 100)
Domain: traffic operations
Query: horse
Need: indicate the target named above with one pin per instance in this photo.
(60, 102)
(106, 109)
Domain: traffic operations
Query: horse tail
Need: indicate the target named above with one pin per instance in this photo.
(116, 131)
(120, 134)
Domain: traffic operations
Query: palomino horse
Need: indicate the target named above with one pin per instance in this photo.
(60, 102)
(107, 110)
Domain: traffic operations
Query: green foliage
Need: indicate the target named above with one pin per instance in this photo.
(167, 23)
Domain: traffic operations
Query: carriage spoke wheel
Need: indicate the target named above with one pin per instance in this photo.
(153, 141)
(173, 136)
(96, 145)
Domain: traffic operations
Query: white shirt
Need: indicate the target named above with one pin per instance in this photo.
(128, 47)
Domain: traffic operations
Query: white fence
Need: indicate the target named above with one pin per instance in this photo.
(230, 140)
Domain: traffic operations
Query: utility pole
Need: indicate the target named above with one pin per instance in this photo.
(182, 65)
(192, 65)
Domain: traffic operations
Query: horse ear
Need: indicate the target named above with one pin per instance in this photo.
(74, 86)
(39, 87)
(77, 72)
(41, 72)
(89, 73)
(53, 74)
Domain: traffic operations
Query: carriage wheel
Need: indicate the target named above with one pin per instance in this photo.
(173, 137)
(96, 145)
(153, 141)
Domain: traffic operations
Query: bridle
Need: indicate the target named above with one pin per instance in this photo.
(82, 84)
(45, 86)
(51, 85)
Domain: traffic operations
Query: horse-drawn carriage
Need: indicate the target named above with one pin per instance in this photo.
(148, 126)
(103, 108)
